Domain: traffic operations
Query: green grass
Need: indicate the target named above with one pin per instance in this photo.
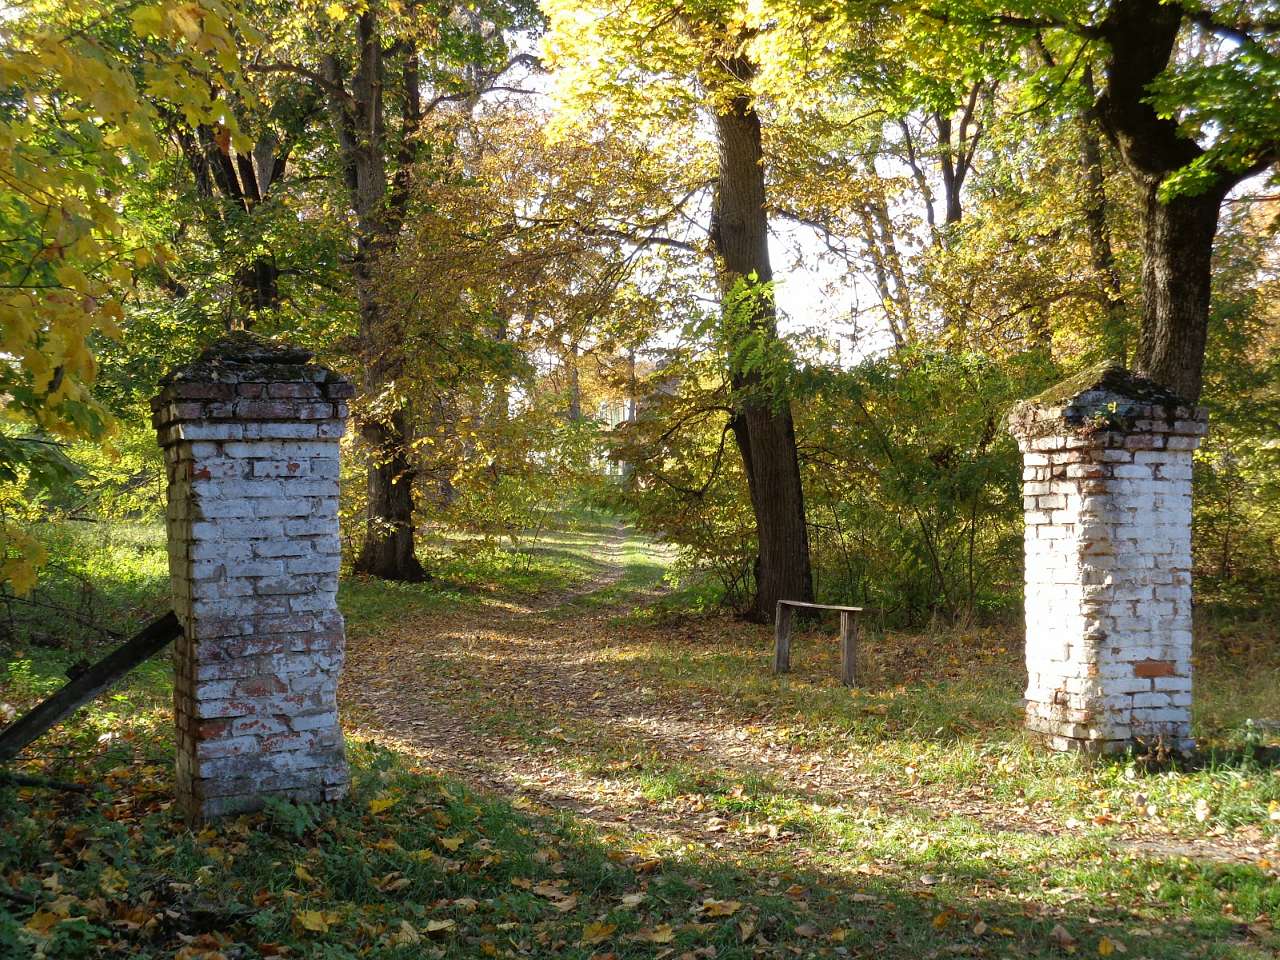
(910, 869)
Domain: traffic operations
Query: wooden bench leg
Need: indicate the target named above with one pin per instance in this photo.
(782, 640)
(848, 648)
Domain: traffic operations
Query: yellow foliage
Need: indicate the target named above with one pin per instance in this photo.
(79, 128)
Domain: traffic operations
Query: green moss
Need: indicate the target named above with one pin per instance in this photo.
(1110, 375)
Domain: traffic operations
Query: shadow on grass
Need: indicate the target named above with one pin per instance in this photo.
(412, 865)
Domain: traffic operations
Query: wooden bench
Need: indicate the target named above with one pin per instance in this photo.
(848, 637)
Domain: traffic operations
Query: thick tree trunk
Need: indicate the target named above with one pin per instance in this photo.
(763, 428)
(1177, 249)
(1177, 244)
(388, 550)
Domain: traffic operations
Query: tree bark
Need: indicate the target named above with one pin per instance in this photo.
(763, 426)
(1177, 251)
(1177, 235)
(1101, 253)
(388, 551)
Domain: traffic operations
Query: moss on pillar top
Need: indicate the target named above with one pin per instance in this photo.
(1106, 396)
(243, 357)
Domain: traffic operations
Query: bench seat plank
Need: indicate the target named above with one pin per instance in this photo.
(818, 606)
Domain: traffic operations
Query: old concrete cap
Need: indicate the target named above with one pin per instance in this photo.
(1107, 396)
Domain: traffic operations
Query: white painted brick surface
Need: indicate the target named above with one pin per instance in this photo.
(254, 554)
(1107, 495)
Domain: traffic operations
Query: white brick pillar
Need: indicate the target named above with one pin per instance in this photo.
(250, 433)
(1107, 500)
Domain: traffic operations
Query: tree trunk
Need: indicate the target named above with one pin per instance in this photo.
(388, 550)
(1101, 254)
(763, 426)
(1177, 249)
(1177, 236)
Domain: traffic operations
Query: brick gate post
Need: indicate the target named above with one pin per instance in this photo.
(250, 433)
(1107, 503)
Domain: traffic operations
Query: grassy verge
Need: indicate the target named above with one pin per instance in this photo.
(413, 865)
(961, 839)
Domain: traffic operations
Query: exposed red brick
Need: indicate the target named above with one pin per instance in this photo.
(1154, 668)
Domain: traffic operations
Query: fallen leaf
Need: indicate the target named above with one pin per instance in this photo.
(406, 935)
(315, 921)
(439, 926)
(379, 804)
(1061, 937)
(597, 932)
(662, 933)
(43, 921)
(720, 908)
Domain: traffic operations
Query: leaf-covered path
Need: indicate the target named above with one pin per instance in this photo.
(579, 701)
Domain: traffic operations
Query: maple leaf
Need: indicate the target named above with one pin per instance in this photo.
(662, 933)
(597, 932)
(720, 908)
(379, 804)
(43, 921)
(315, 921)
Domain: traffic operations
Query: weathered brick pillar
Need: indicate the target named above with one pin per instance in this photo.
(250, 433)
(1107, 499)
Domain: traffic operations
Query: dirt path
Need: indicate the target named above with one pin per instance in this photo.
(536, 699)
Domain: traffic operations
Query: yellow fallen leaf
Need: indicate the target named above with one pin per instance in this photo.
(597, 932)
(720, 908)
(302, 874)
(112, 882)
(43, 921)
(379, 804)
(452, 844)
(315, 921)
(662, 933)
(745, 929)
(1107, 946)
(439, 926)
